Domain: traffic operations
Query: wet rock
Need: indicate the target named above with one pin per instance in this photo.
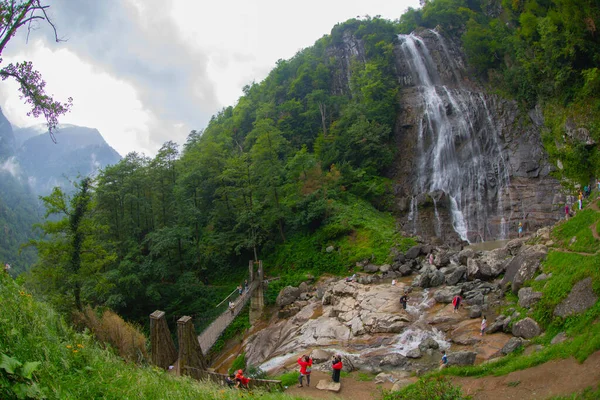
(527, 297)
(429, 343)
(414, 353)
(287, 296)
(526, 328)
(456, 276)
(413, 252)
(581, 298)
(462, 358)
(513, 344)
(559, 338)
(394, 360)
(445, 295)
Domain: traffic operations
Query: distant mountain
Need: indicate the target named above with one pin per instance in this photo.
(7, 138)
(78, 152)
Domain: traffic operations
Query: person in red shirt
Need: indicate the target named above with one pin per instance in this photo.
(305, 363)
(242, 381)
(337, 367)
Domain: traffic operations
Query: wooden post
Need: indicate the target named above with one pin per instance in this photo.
(161, 342)
(191, 360)
(251, 270)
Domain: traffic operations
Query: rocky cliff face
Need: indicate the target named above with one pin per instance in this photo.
(472, 165)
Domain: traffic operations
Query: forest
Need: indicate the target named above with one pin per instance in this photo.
(300, 164)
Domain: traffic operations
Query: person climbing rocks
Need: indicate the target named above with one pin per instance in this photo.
(580, 199)
(567, 212)
(336, 365)
(483, 326)
(456, 302)
(404, 300)
(444, 360)
(520, 229)
(305, 363)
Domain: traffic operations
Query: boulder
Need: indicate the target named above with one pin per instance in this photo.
(497, 325)
(442, 259)
(462, 358)
(304, 287)
(402, 383)
(385, 268)
(287, 296)
(445, 295)
(413, 252)
(559, 338)
(475, 312)
(383, 377)
(527, 297)
(325, 384)
(371, 268)
(513, 344)
(414, 353)
(456, 276)
(399, 258)
(394, 360)
(524, 266)
(319, 355)
(542, 277)
(580, 298)
(464, 256)
(405, 269)
(428, 343)
(526, 328)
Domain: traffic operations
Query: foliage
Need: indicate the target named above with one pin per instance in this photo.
(237, 364)
(289, 378)
(238, 326)
(576, 234)
(73, 365)
(13, 16)
(431, 388)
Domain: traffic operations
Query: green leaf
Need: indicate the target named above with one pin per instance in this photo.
(29, 368)
(9, 364)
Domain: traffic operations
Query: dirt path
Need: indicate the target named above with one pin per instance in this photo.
(352, 389)
(554, 378)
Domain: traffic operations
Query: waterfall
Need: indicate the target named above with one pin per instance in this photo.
(458, 146)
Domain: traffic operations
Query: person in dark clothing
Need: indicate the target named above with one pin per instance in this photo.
(404, 300)
(230, 380)
(337, 365)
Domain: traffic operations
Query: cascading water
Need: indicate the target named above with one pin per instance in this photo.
(459, 152)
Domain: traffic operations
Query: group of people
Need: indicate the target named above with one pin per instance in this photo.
(241, 289)
(306, 363)
(237, 380)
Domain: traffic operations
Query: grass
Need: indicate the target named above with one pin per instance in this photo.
(587, 394)
(364, 377)
(578, 227)
(71, 365)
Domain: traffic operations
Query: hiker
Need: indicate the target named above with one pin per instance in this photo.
(231, 306)
(456, 301)
(305, 363)
(246, 286)
(586, 191)
(240, 290)
(230, 380)
(566, 212)
(431, 258)
(444, 360)
(520, 229)
(393, 282)
(483, 326)
(580, 199)
(242, 381)
(351, 278)
(6, 267)
(337, 365)
(404, 300)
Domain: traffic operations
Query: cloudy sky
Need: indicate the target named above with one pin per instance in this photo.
(147, 71)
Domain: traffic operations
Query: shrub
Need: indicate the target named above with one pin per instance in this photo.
(432, 388)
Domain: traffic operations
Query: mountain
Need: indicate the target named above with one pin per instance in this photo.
(78, 151)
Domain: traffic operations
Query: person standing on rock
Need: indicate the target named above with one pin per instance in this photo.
(404, 300)
(305, 363)
(520, 229)
(456, 302)
(566, 212)
(580, 199)
(337, 366)
(483, 326)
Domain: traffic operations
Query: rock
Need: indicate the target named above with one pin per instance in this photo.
(402, 383)
(475, 312)
(559, 338)
(288, 311)
(506, 327)
(581, 298)
(329, 249)
(413, 252)
(464, 256)
(437, 279)
(400, 258)
(414, 353)
(383, 377)
(527, 297)
(371, 268)
(287, 296)
(325, 384)
(462, 358)
(533, 349)
(526, 328)
(319, 355)
(405, 269)
(541, 277)
(513, 344)
(428, 343)
(524, 266)
(394, 360)
(446, 294)
(385, 268)
(442, 259)
(497, 325)
(456, 276)
(474, 298)
(514, 246)
(303, 287)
